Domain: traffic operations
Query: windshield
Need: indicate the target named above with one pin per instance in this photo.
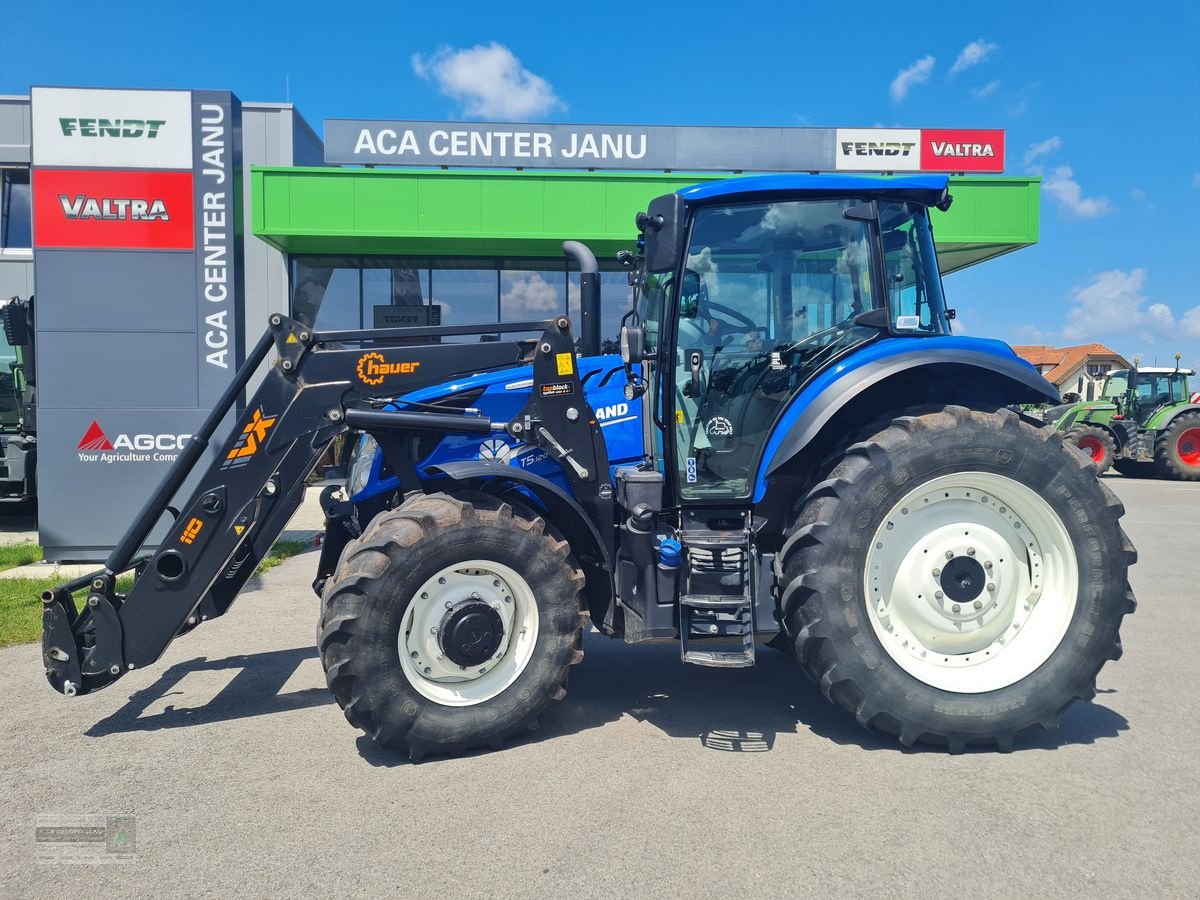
(1115, 386)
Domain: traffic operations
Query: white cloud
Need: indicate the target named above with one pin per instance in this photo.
(972, 55)
(1113, 303)
(906, 79)
(489, 82)
(530, 295)
(1062, 186)
(1189, 324)
(1033, 334)
(986, 91)
(1049, 145)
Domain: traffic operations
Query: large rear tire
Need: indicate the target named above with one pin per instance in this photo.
(450, 625)
(1177, 449)
(1096, 443)
(957, 577)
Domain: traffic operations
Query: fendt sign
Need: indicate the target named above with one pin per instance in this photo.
(662, 147)
(136, 199)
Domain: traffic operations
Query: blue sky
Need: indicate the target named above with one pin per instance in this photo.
(1109, 94)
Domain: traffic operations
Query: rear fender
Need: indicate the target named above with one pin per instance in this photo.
(891, 376)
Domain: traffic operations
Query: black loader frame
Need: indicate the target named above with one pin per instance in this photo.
(317, 389)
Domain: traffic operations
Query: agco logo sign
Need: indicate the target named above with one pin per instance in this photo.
(373, 368)
(97, 446)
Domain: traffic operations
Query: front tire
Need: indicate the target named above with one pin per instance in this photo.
(1177, 449)
(450, 625)
(1096, 443)
(958, 577)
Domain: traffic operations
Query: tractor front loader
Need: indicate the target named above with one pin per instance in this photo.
(791, 450)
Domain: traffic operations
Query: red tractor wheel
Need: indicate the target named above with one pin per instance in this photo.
(1096, 443)
(1177, 450)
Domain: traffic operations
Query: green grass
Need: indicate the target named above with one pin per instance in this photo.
(20, 598)
(13, 555)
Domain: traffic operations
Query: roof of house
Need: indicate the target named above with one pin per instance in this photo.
(1065, 359)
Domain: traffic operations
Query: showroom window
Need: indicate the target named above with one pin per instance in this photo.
(16, 223)
(364, 292)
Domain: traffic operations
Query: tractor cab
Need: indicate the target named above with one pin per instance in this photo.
(746, 298)
(1138, 393)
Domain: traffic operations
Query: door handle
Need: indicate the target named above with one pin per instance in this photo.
(695, 361)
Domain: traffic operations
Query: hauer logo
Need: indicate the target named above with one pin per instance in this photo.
(373, 367)
(84, 207)
(97, 446)
(111, 128)
(962, 150)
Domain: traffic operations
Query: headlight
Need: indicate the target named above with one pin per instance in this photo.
(360, 466)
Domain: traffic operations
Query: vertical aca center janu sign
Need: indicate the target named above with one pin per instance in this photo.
(137, 258)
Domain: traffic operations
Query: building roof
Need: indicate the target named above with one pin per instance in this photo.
(1065, 359)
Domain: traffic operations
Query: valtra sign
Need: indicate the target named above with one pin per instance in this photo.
(956, 150)
(110, 209)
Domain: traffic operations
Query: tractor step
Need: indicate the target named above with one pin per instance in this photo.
(720, 659)
(716, 608)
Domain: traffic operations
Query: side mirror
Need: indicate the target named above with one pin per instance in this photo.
(662, 228)
(633, 344)
(16, 329)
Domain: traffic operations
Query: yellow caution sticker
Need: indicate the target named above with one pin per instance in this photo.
(291, 339)
(566, 363)
(238, 529)
(679, 417)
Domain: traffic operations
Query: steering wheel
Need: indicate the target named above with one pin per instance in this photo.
(748, 323)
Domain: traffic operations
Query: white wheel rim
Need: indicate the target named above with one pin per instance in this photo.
(422, 657)
(1031, 582)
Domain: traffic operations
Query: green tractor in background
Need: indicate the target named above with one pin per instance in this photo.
(1146, 421)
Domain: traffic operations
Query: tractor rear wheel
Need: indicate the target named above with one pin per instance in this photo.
(956, 577)
(450, 625)
(1096, 443)
(1177, 450)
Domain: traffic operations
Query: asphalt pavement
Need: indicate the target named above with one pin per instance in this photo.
(649, 779)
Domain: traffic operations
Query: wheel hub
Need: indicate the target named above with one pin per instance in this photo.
(471, 633)
(955, 573)
(468, 632)
(963, 579)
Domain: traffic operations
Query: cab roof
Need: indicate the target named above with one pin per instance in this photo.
(1153, 370)
(926, 189)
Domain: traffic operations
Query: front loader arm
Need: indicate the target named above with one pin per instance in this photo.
(249, 491)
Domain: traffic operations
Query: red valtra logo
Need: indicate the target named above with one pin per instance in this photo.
(95, 439)
(108, 209)
(962, 150)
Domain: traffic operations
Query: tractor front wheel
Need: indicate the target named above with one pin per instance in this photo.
(957, 577)
(450, 625)
(1096, 443)
(1177, 450)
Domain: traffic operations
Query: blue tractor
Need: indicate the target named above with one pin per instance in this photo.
(792, 450)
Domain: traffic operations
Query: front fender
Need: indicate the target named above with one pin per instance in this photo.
(561, 510)
(983, 371)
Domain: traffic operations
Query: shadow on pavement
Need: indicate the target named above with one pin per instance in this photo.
(731, 711)
(253, 691)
